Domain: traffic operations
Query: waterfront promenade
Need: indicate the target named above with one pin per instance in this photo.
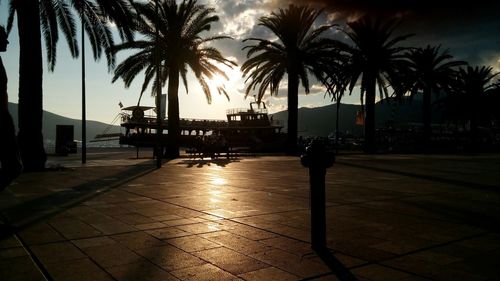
(389, 217)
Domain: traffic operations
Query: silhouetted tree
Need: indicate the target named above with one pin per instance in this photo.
(469, 96)
(378, 59)
(181, 46)
(46, 17)
(299, 51)
(336, 80)
(431, 71)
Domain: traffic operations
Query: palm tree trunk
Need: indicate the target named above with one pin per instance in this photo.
(426, 116)
(30, 113)
(174, 130)
(370, 115)
(293, 103)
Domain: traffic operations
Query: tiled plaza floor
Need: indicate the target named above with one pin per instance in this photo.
(389, 217)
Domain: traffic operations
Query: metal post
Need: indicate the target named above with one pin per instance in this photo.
(84, 118)
(159, 130)
(317, 159)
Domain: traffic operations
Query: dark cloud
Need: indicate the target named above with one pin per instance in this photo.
(427, 8)
(469, 29)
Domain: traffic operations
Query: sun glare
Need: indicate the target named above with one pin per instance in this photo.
(218, 181)
(233, 76)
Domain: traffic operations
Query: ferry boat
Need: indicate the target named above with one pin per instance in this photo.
(250, 127)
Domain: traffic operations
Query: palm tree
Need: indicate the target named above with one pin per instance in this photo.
(46, 17)
(470, 92)
(336, 81)
(376, 57)
(181, 46)
(431, 71)
(299, 51)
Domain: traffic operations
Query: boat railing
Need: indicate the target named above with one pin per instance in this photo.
(128, 118)
(234, 111)
(202, 123)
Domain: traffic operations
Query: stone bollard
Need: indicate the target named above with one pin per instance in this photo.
(317, 159)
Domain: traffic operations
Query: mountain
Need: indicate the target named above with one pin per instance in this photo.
(320, 121)
(50, 120)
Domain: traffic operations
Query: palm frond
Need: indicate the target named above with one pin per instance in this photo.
(48, 22)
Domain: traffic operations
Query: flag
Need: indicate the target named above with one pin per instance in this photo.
(120, 104)
(360, 118)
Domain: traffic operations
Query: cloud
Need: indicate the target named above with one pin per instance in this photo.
(469, 31)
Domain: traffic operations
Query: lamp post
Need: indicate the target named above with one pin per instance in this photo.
(158, 90)
(84, 118)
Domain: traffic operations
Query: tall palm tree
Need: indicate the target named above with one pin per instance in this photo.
(431, 71)
(45, 18)
(181, 46)
(469, 95)
(299, 51)
(378, 59)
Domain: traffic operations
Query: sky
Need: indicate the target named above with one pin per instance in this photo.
(469, 30)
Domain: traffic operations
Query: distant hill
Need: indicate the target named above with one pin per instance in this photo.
(50, 120)
(320, 121)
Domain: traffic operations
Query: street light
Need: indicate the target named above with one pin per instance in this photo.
(158, 90)
(84, 118)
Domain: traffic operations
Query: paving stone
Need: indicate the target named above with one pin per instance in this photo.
(192, 243)
(166, 217)
(237, 243)
(57, 252)
(376, 272)
(430, 270)
(74, 228)
(484, 243)
(403, 246)
(19, 269)
(111, 210)
(77, 270)
(270, 274)
(230, 260)
(179, 222)
(206, 272)
(168, 232)
(139, 271)
(137, 240)
(8, 241)
(250, 232)
(199, 228)
(146, 226)
(40, 233)
(287, 244)
(210, 218)
(343, 260)
(112, 226)
(478, 266)
(291, 263)
(93, 242)
(112, 255)
(12, 253)
(435, 257)
(133, 219)
(170, 258)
